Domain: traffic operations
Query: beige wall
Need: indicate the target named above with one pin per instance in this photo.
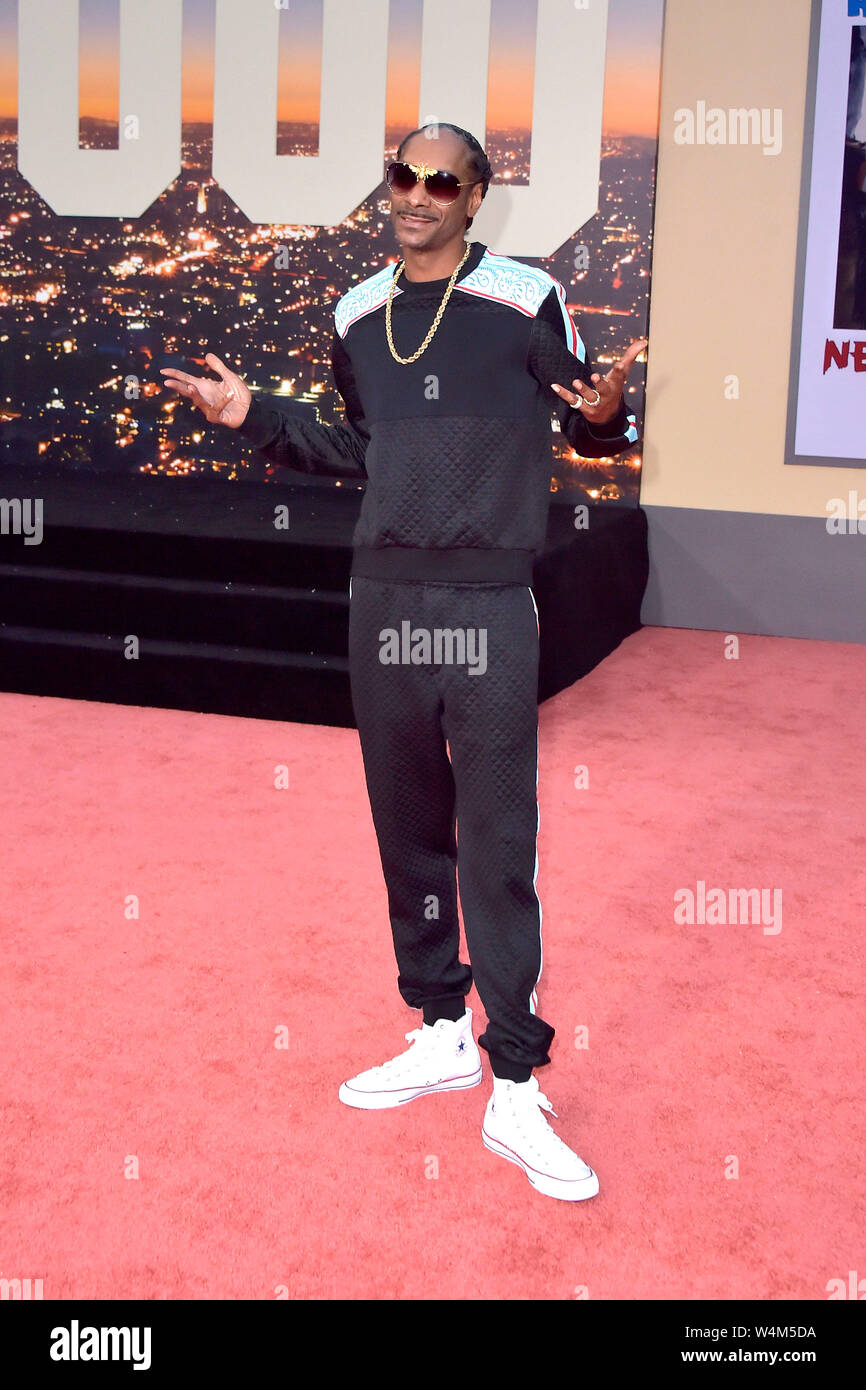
(723, 270)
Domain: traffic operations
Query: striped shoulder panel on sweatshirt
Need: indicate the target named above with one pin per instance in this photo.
(498, 278)
(363, 298)
(526, 288)
(521, 287)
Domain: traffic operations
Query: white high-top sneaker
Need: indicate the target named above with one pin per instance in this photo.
(442, 1057)
(515, 1128)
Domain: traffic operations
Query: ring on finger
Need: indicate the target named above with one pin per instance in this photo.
(582, 401)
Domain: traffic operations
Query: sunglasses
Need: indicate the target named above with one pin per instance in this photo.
(443, 187)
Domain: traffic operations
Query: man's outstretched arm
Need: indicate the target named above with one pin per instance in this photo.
(302, 445)
(337, 451)
(558, 358)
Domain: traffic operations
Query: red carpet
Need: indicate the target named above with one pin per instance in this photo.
(151, 1041)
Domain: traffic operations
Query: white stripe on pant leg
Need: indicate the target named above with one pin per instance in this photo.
(533, 998)
(350, 586)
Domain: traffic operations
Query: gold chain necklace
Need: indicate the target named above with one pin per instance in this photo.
(441, 310)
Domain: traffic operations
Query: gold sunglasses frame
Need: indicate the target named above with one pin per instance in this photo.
(422, 171)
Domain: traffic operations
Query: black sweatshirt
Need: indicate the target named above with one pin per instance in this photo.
(456, 447)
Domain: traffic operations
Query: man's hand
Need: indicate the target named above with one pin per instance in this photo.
(609, 387)
(223, 402)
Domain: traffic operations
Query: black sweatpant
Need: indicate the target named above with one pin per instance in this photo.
(472, 816)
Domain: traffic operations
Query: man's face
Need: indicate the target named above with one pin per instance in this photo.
(419, 222)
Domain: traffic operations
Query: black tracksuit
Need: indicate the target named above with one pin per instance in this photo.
(443, 630)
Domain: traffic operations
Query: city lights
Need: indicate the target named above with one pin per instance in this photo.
(194, 277)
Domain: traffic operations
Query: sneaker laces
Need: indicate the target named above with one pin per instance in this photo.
(535, 1126)
(539, 1098)
(415, 1036)
(545, 1103)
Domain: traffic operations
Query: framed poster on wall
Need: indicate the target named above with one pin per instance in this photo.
(828, 359)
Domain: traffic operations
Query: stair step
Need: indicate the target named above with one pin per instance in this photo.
(205, 677)
(186, 586)
(194, 610)
(268, 560)
(211, 651)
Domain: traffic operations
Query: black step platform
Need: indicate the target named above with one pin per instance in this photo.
(234, 616)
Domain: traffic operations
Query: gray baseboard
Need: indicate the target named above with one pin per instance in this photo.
(781, 576)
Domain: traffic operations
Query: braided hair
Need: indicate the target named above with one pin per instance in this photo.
(479, 165)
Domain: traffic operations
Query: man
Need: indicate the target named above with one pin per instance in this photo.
(449, 365)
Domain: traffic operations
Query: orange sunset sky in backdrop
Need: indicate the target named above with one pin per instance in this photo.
(631, 85)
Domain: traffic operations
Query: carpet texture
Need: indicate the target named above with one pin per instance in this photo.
(170, 1122)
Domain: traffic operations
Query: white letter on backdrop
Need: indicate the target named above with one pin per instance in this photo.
(99, 183)
(300, 190)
